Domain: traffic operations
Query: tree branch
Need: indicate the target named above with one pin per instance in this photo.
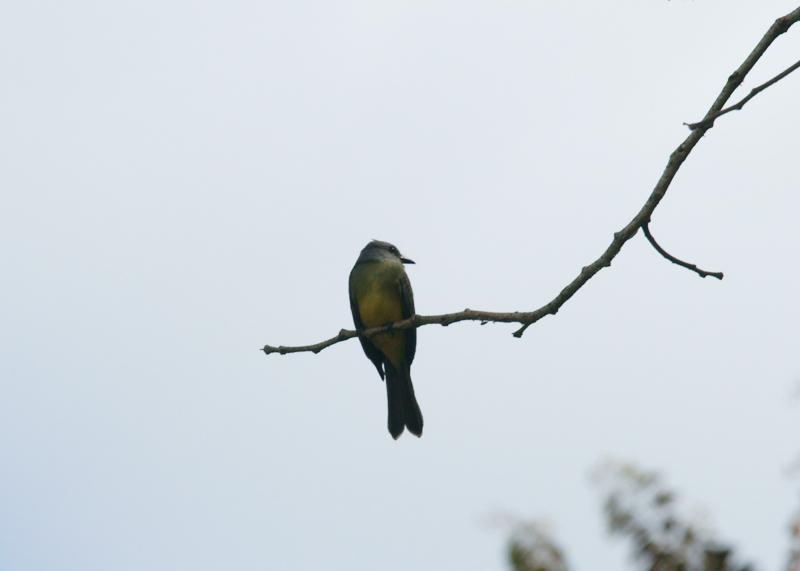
(709, 122)
(673, 259)
(676, 159)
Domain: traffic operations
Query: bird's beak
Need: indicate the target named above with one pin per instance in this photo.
(406, 260)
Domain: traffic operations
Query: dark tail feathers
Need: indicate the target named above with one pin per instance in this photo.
(403, 408)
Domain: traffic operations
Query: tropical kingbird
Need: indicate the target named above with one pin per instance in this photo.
(380, 293)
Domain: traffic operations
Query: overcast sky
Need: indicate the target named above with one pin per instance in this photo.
(183, 182)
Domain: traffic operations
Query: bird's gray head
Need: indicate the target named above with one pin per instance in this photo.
(377, 250)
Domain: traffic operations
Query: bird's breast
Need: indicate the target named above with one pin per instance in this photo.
(376, 289)
(378, 305)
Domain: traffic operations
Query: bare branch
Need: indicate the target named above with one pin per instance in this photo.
(709, 122)
(343, 335)
(676, 159)
(444, 319)
(673, 259)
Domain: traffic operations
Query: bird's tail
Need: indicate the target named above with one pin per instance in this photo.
(403, 408)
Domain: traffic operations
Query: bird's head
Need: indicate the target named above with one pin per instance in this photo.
(379, 250)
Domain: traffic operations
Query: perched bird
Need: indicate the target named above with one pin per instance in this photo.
(380, 293)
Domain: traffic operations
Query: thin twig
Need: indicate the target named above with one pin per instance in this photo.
(343, 335)
(676, 159)
(709, 122)
(674, 260)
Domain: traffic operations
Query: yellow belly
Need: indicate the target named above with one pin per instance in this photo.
(378, 305)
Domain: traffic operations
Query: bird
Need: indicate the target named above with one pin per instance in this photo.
(380, 294)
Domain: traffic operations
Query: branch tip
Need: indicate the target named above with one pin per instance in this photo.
(673, 259)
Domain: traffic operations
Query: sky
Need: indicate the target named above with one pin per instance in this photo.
(183, 182)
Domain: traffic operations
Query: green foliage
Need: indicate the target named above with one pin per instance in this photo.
(531, 548)
(642, 509)
(794, 551)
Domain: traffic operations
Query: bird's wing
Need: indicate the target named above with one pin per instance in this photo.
(407, 295)
(372, 352)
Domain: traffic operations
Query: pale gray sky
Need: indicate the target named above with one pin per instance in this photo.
(183, 182)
